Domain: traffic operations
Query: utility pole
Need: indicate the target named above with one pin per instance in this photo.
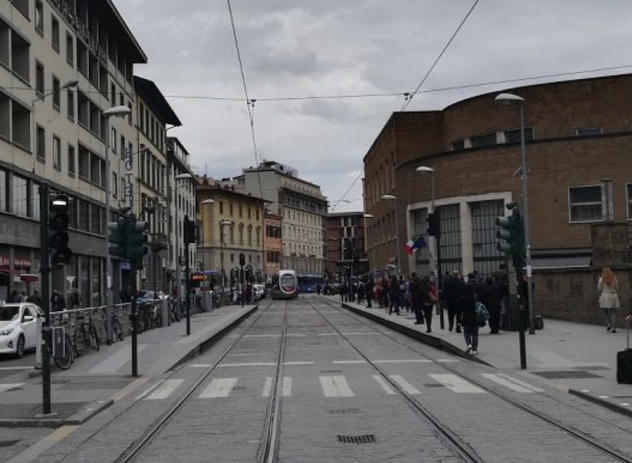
(45, 283)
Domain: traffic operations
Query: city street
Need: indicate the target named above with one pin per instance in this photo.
(305, 381)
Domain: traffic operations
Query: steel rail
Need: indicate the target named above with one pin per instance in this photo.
(134, 450)
(576, 433)
(460, 448)
(268, 451)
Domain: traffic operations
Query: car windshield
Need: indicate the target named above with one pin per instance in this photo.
(9, 313)
(146, 294)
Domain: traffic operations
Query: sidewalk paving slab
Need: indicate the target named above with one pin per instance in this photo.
(92, 381)
(573, 357)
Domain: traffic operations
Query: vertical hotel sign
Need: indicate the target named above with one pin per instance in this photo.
(129, 175)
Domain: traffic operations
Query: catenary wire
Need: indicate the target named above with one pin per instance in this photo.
(249, 103)
(436, 61)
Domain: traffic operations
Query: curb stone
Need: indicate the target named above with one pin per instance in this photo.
(602, 402)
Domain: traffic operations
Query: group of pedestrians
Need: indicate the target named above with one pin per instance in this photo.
(462, 299)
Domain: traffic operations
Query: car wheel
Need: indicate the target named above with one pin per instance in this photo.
(19, 347)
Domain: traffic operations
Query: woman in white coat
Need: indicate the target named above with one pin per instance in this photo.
(609, 299)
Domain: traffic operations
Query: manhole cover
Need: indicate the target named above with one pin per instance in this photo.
(8, 443)
(96, 385)
(345, 411)
(566, 374)
(363, 439)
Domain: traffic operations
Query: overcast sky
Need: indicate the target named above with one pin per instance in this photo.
(300, 48)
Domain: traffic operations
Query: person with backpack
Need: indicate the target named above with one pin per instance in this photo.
(469, 319)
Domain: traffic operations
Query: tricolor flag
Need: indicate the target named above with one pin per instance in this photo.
(415, 244)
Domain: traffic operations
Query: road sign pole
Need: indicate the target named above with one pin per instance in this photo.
(45, 304)
(134, 319)
(187, 286)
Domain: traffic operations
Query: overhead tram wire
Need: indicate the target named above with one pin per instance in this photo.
(410, 97)
(348, 190)
(250, 104)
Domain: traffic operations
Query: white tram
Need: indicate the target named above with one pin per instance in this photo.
(285, 285)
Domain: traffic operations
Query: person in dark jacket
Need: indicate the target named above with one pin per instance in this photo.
(491, 296)
(468, 319)
(35, 298)
(452, 289)
(394, 296)
(416, 298)
(57, 301)
(369, 293)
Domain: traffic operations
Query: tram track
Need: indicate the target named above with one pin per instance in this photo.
(461, 448)
(271, 430)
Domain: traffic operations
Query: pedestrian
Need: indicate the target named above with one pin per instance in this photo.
(491, 296)
(609, 299)
(318, 289)
(469, 320)
(36, 298)
(57, 301)
(370, 285)
(416, 298)
(14, 297)
(453, 289)
(394, 296)
(23, 296)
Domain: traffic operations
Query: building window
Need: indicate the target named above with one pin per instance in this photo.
(55, 33)
(71, 105)
(483, 140)
(71, 160)
(513, 135)
(40, 85)
(585, 204)
(56, 94)
(113, 141)
(40, 143)
(70, 50)
(232, 257)
(241, 211)
(629, 190)
(231, 209)
(113, 94)
(19, 195)
(114, 184)
(56, 152)
(588, 131)
(3, 190)
(221, 207)
(39, 17)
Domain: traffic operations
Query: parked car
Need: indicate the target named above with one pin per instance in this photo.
(18, 327)
(259, 291)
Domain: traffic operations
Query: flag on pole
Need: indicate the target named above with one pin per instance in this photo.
(415, 244)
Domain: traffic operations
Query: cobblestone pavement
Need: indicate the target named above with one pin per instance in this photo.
(338, 407)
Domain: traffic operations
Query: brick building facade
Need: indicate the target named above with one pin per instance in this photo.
(345, 240)
(578, 139)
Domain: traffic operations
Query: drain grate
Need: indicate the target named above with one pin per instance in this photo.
(565, 374)
(345, 411)
(363, 439)
(331, 371)
(8, 443)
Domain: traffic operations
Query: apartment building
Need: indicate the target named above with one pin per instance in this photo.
(181, 183)
(231, 223)
(153, 115)
(345, 244)
(273, 243)
(64, 63)
(302, 207)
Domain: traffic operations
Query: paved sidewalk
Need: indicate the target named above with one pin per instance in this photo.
(573, 357)
(88, 386)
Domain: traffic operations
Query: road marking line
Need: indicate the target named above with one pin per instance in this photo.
(7, 387)
(296, 335)
(335, 386)
(382, 382)
(35, 450)
(299, 363)
(165, 389)
(360, 333)
(287, 386)
(219, 388)
(200, 365)
(456, 384)
(150, 389)
(520, 382)
(262, 336)
(131, 387)
(327, 334)
(403, 361)
(351, 362)
(505, 382)
(16, 368)
(115, 361)
(267, 387)
(405, 385)
(447, 360)
(253, 364)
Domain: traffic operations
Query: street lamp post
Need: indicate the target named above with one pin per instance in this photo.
(185, 176)
(116, 111)
(510, 98)
(399, 251)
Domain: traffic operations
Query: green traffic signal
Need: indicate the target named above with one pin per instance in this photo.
(510, 236)
(117, 240)
(137, 241)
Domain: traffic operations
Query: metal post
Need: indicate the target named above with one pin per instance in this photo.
(108, 259)
(134, 317)
(241, 283)
(437, 240)
(186, 287)
(521, 320)
(221, 252)
(525, 215)
(45, 283)
(178, 266)
(399, 251)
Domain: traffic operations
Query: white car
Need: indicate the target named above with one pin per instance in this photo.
(18, 327)
(259, 291)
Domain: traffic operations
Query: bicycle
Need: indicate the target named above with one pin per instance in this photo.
(66, 358)
(117, 329)
(86, 336)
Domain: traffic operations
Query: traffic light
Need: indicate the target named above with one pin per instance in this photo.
(511, 236)
(58, 238)
(137, 241)
(242, 259)
(117, 238)
(434, 227)
(189, 230)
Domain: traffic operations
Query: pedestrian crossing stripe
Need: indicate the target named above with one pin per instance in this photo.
(333, 386)
(8, 387)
